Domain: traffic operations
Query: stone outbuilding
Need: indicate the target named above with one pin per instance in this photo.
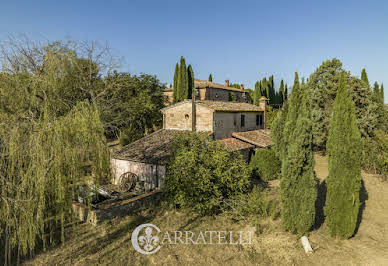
(211, 91)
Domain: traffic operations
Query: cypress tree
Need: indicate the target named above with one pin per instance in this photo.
(344, 153)
(285, 95)
(271, 90)
(281, 92)
(176, 74)
(364, 77)
(257, 94)
(183, 85)
(298, 185)
(376, 91)
(382, 92)
(190, 74)
(184, 80)
(264, 88)
(210, 78)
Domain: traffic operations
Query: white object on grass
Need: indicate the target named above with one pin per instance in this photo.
(306, 244)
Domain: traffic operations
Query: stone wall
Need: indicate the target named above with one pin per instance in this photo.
(106, 211)
(151, 174)
(180, 117)
(225, 123)
(214, 94)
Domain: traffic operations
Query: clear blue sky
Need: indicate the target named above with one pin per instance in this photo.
(238, 40)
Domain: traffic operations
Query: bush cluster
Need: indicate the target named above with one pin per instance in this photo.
(265, 164)
(201, 173)
(375, 154)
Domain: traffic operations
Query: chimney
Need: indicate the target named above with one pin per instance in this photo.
(242, 86)
(227, 83)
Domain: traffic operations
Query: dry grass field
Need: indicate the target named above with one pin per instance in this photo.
(110, 243)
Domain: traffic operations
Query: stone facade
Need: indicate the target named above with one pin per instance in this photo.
(221, 122)
(211, 91)
(180, 117)
(150, 175)
(225, 123)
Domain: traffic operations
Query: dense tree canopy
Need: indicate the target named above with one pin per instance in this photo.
(322, 88)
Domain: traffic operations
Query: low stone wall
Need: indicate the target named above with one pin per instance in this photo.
(105, 211)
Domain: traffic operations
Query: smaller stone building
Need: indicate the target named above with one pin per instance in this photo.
(145, 158)
(211, 91)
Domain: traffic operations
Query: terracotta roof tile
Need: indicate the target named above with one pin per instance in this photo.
(260, 137)
(233, 144)
(230, 106)
(201, 84)
(153, 149)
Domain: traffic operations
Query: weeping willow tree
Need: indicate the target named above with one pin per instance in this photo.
(52, 146)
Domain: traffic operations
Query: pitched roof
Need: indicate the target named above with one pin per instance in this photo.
(230, 106)
(153, 149)
(233, 144)
(260, 137)
(201, 84)
(221, 106)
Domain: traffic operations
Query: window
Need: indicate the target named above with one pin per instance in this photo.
(259, 120)
(242, 120)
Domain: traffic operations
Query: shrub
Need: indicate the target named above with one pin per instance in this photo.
(266, 164)
(375, 154)
(201, 173)
(250, 205)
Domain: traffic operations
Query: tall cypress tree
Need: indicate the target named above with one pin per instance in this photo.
(271, 90)
(298, 184)
(264, 88)
(190, 75)
(281, 92)
(183, 85)
(376, 92)
(210, 78)
(382, 92)
(257, 94)
(285, 95)
(344, 153)
(176, 74)
(364, 77)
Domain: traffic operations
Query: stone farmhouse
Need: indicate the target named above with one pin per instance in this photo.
(206, 90)
(237, 124)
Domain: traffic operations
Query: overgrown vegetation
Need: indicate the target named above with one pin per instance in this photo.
(344, 180)
(202, 173)
(265, 164)
(375, 154)
(51, 142)
(251, 206)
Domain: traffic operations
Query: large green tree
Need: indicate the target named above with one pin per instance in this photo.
(52, 140)
(298, 184)
(344, 153)
(322, 88)
(132, 106)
